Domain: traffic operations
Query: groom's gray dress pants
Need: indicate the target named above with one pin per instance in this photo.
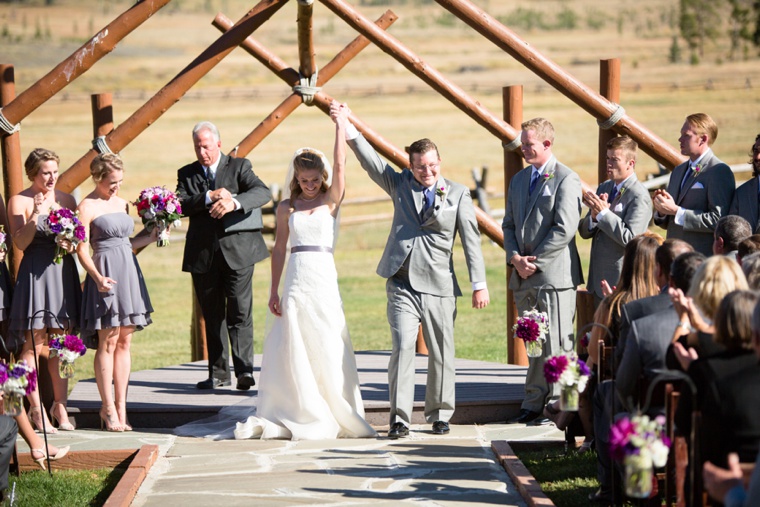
(407, 309)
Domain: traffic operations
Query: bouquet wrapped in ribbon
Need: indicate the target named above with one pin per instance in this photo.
(67, 348)
(65, 225)
(532, 327)
(159, 207)
(572, 374)
(641, 444)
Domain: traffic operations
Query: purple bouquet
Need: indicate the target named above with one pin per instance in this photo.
(3, 239)
(642, 437)
(159, 207)
(17, 378)
(568, 370)
(67, 347)
(532, 326)
(65, 225)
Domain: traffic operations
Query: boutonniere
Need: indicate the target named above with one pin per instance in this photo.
(441, 191)
(697, 169)
(548, 176)
(622, 191)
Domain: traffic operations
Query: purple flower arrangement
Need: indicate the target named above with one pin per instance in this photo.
(3, 239)
(17, 378)
(642, 437)
(159, 207)
(67, 347)
(532, 326)
(65, 225)
(568, 370)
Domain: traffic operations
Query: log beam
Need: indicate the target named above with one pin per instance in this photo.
(609, 88)
(13, 180)
(306, 52)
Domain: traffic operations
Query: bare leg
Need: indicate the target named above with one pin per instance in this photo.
(122, 367)
(104, 366)
(36, 411)
(34, 441)
(60, 388)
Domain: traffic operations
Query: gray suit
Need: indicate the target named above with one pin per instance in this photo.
(745, 203)
(704, 198)
(544, 224)
(628, 216)
(422, 287)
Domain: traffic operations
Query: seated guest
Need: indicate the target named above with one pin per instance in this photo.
(744, 202)
(748, 246)
(644, 352)
(751, 268)
(729, 232)
(733, 334)
(727, 485)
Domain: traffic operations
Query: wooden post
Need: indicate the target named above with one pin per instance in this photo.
(596, 105)
(290, 76)
(425, 72)
(13, 180)
(512, 98)
(306, 53)
(81, 60)
(609, 88)
(141, 119)
(102, 114)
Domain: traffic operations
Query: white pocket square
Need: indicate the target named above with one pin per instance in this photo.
(618, 207)
(547, 192)
(697, 185)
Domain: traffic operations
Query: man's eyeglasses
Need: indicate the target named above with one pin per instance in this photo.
(428, 167)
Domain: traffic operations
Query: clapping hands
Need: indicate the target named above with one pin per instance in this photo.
(595, 203)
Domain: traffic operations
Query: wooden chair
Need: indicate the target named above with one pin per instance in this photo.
(605, 362)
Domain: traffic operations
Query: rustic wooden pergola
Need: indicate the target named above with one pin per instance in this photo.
(306, 84)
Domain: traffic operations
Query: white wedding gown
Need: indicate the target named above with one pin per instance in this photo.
(309, 385)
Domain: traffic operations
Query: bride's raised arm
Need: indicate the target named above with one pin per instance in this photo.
(339, 113)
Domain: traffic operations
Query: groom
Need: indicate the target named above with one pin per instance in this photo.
(421, 287)
(221, 195)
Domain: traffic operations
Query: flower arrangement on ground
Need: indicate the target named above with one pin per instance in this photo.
(159, 207)
(65, 225)
(16, 381)
(68, 348)
(641, 444)
(572, 374)
(532, 327)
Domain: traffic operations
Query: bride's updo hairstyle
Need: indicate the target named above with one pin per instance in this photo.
(103, 164)
(304, 161)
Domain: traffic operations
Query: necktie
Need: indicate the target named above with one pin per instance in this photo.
(533, 181)
(686, 177)
(210, 177)
(613, 194)
(428, 199)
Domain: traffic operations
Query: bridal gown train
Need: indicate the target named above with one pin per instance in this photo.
(309, 385)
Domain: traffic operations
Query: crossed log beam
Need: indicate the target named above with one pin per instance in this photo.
(171, 93)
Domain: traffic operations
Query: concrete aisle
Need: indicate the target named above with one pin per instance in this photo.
(456, 469)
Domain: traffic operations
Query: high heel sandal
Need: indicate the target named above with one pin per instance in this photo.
(62, 451)
(37, 422)
(126, 425)
(66, 426)
(110, 421)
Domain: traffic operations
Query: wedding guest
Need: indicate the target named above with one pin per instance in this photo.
(745, 199)
(619, 210)
(751, 269)
(727, 485)
(746, 247)
(699, 190)
(730, 231)
(47, 295)
(115, 302)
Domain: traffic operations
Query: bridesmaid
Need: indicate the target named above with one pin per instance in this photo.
(41, 284)
(115, 302)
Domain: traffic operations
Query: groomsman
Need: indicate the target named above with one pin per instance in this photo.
(699, 191)
(429, 212)
(746, 196)
(540, 221)
(619, 210)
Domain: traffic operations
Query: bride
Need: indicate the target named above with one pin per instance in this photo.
(309, 385)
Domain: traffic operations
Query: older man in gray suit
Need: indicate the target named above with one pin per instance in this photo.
(422, 288)
(540, 220)
(747, 196)
(699, 191)
(619, 210)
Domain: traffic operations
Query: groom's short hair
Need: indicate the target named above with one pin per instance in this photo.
(423, 146)
(542, 127)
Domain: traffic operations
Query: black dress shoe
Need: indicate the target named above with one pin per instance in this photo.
(245, 381)
(398, 430)
(213, 383)
(524, 417)
(540, 421)
(440, 428)
(599, 497)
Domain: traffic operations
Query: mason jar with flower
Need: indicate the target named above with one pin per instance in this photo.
(572, 374)
(641, 445)
(532, 327)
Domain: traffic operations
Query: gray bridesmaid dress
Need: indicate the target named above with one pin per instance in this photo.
(42, 284)
(128, 302)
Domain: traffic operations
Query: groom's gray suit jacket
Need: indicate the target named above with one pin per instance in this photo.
(628, 216)
(428, 242)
